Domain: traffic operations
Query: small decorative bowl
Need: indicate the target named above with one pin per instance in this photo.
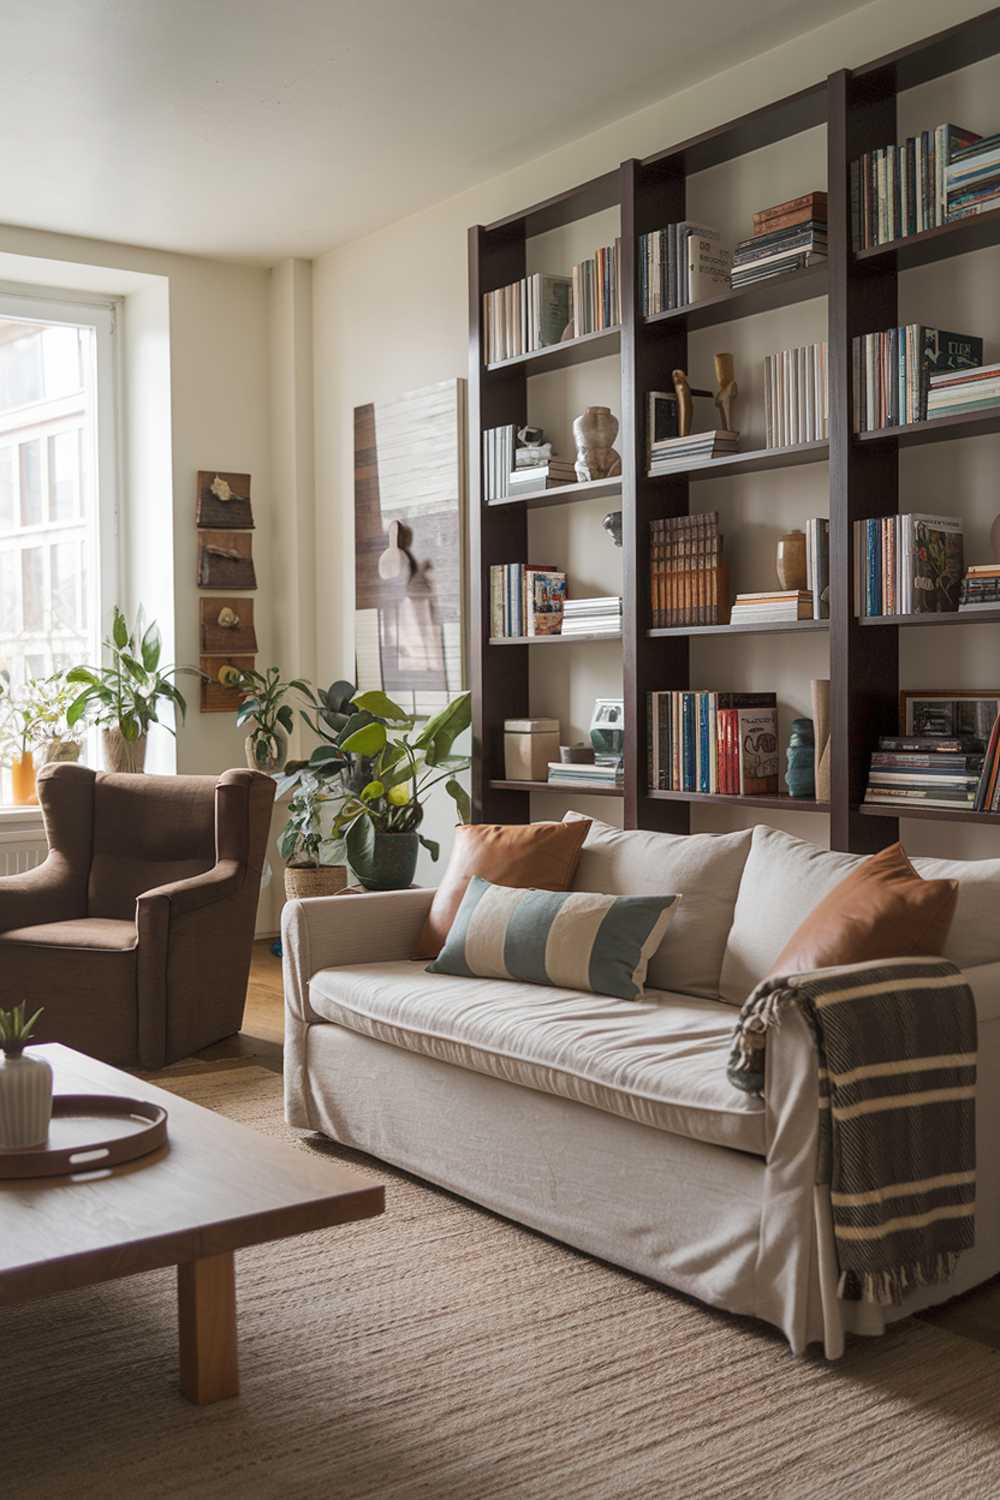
(576, 755)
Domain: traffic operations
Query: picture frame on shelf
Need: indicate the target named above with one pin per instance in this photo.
(948, 713)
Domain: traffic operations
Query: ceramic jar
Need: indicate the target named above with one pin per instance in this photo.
(22, 780)
(25, 1101)
(800, 776)
(792, 560)
(595, 431)
(121, 754)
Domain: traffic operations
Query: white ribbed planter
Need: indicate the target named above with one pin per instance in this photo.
(25, 1102)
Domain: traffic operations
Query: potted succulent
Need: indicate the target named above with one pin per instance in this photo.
(33, 729)
(124, 697)
(25, 1085)
(265, 710)
(380, 766)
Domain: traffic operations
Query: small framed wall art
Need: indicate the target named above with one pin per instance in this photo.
(215, 698)
(225, 560)
(227, 625)
(224, 501)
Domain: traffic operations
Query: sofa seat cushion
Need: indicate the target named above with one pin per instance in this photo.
(660, 1061)
(104, 933)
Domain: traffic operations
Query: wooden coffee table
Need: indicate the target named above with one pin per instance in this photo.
(214, 1188)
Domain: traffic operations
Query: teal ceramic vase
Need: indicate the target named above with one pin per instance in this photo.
(800, 776)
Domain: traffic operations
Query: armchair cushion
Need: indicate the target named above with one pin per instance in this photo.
(104, 933)
(140, 842)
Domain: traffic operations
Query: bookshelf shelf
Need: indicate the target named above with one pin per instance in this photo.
(555, 640)
(784, 627)
(585, 789)
(745, 302)
(859, 110)
(560, 356)
(561, 494)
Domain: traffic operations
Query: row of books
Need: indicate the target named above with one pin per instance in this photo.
(669, 455)
(980, 588)
(680, 264)
(545, 476)
(597, 616)
(525, 600)
(901, 190)
(720, 743)
(972, 177)
(952, 393)
(527, 315)
(926, 770)
(686, 575)
(797, 396)
(788, 237)
(892, 371)
(498, 461)
(907, 565)
(596, 291)
(605, 771)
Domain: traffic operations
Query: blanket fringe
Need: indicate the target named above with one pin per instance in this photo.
(889, 1287)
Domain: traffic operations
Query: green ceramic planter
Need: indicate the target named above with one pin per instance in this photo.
(391, 864)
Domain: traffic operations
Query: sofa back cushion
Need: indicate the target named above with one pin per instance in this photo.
(785, 878)
(704, 869)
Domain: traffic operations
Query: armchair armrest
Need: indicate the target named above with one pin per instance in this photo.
(48, 893)
(221, 881)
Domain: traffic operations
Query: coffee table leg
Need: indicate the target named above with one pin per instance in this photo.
(206, 1308)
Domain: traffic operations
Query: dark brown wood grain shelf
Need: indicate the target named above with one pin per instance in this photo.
(555, 640)
(752, 462)
(560, 356)
(932, 814)
(980, 617)
(585, 789)
(936, 429)
(941, 243)
(561, 494)
(799, 627)
(745, 302)
(784, 804)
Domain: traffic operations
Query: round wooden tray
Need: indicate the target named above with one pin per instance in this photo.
(89, 1133)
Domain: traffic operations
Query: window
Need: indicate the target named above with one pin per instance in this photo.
(58, 519)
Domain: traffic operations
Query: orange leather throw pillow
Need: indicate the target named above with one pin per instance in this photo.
(539, 856)
(882, 910)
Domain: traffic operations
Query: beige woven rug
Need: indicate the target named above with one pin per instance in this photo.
(441, 1352)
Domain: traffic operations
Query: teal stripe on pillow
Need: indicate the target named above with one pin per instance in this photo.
(579, 940)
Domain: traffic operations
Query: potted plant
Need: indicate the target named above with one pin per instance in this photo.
(124, 697)
(381, 766)
(25, 1085)
(265, 710)
(309, 871)
(33, 719)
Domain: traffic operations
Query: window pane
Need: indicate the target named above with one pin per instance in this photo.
(21, 377)
(31, 483)
(7, 497)
(61, 362)
(33, 588)
(64, 475)
(64, 562)
(8, 595)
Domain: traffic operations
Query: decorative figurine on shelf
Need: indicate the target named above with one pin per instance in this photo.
(612, 524)
(791, 560)
(682, 390)
(725, 399)
(595, 431)
(607, 728)
(800, 777)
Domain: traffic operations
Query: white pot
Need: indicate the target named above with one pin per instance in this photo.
(25, 1102)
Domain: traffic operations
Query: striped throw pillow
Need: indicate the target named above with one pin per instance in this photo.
(575, 940)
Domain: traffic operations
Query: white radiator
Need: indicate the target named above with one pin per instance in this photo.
(21, 849)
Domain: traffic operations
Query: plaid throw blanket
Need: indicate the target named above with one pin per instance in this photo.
(896, 1044)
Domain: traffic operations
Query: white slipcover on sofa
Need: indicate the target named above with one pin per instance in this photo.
(610, 1124)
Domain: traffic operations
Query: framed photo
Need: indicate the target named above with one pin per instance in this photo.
(950, 715)
(607, 727)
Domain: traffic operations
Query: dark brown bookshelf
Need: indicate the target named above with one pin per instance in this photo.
(584, 789)
(563, 494)
(586, 637)
(858, 109)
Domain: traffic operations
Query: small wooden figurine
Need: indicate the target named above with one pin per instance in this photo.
(725, 400)
(684, 404)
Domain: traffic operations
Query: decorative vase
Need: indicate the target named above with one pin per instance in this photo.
(800, 776)
(821, 736)
(266, 752)
(995, 539)
(25, 1101)
(792, 560)
(595, 431)
(61, 752)
(391, 864)
(121, 754)
(314, 880)
(22, 778)
(612, 524)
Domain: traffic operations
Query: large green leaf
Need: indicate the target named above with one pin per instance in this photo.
(119, 629)
(372, 791)
(134, 668)
(440, 732)
(377, 703)
(78, 707)
(338, 696)
(400, 773)
(360, 842)
(150, 648)
(286, 718)
(368, 740)
(247, 709)
(460, 797)
(432, 846)
(82, 674)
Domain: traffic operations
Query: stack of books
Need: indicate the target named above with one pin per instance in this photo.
(902, 190)
(721, 743)
(972, 177)
(927, 770)
(597, 291)
(526, 315)
(687, 581)
(525, 600)
(599, 616)
(787, 237)
(796, 396)
(606, 771)
(907, 565)
(680, 264)
(669, 455)
(498, 460)
(953, 393)
(777, 608)
(987, 798)
(892, 372)
(980, 588)
(544, 476)
(818, 565)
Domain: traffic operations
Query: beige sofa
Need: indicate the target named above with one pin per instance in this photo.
(610, 1124)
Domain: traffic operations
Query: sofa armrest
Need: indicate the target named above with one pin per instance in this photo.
(984, 982)
(323, 932)
(48, 893)
(217, 884)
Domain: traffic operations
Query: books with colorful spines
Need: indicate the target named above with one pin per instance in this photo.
(897, 191)
(972, 177)
(723, 743)
(987, 797)
(951, 393)
(508, 597)
(774, 607)
(892, 371)
(596, 291)
(794, 210)
(907, 565)
(665, 269)
(980, 588)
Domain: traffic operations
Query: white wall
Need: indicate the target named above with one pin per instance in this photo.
(391, 313)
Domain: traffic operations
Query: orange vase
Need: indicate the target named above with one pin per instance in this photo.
(22, 776)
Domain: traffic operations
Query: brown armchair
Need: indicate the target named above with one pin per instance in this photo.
(135, 934)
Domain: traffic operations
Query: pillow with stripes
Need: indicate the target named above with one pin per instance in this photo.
(574, 940)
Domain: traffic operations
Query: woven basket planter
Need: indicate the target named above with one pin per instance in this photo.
(310, 880)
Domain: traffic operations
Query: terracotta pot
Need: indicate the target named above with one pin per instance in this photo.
(391, 864)
(792, 560)
(22, 776)
(121, 754)
(595, 431)
(25, 1102)
(266, 752)
(314, 880)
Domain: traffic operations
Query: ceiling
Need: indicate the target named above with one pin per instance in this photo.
(265, 128)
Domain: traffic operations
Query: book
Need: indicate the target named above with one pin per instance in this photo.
(808, 206)
(688, 580)
(511, 587)
(719, 743)
(892, 372)
(545, 597)
(785, 605)
(796, 396)
(900, 190)
(596, 291)
(524, 316)
(818, 566)
(907, 565)
(665, 266)
(672, 454)
(778, 246)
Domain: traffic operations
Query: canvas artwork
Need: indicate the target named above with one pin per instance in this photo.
(227, 625)
(225, 560)
(952, 715)
(409, 514)
(216, 699)
(224, 501)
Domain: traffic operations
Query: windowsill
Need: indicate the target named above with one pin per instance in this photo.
(12, 818)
